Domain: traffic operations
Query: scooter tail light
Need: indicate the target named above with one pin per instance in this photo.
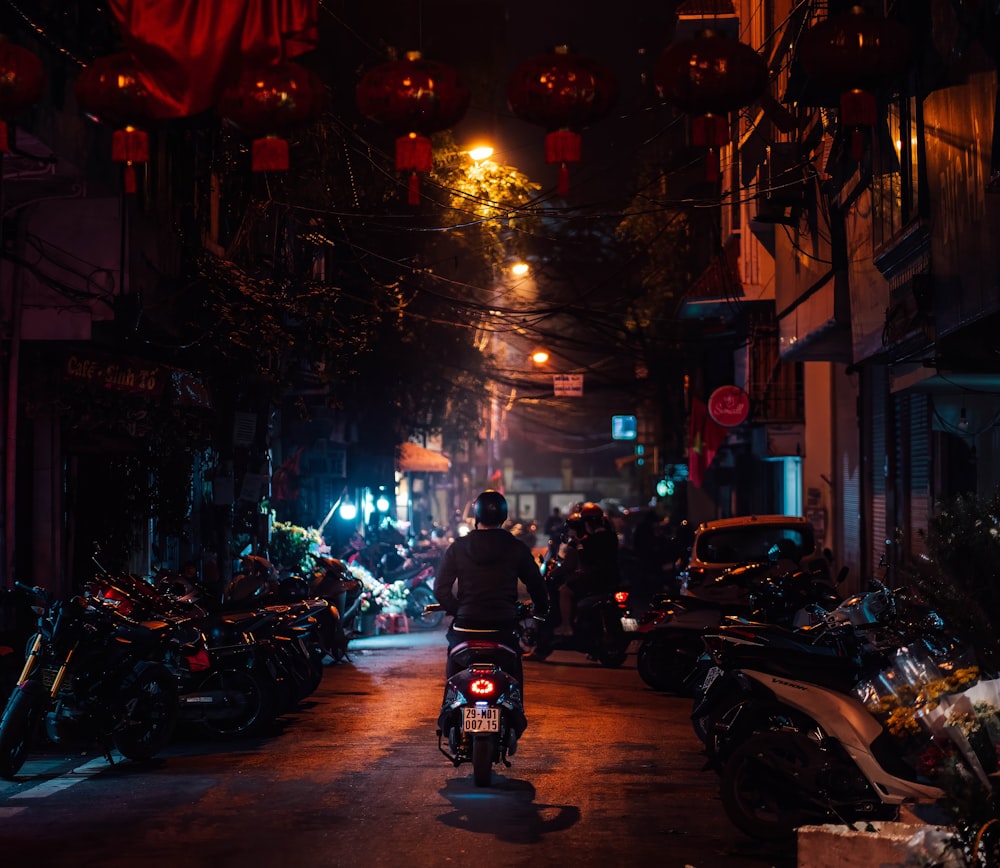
(482, 687)
(621, 597)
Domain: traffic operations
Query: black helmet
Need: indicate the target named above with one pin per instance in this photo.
(490, 509)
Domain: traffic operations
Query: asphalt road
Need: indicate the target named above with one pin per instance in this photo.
(608, 773)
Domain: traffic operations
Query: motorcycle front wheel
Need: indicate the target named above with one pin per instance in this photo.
(527, 635)
(18, 725)
(482, 760)
(149, 712)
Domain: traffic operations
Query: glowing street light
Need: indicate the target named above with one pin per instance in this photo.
(539, 357)
(519, 269)
(348, 511)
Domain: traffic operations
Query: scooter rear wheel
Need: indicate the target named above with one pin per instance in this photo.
(482, 760)
(612, 644)
(769, 786)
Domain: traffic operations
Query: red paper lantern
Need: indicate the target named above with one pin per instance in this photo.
(707, 77)
(563, 92)
(267, 101)
(21, 81)
(856, 55)
(109, 89)
(415, 97)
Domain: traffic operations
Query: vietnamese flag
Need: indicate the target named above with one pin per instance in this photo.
(705, 436)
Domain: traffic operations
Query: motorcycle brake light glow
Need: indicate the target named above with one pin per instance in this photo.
(482, 687)
(621, 597)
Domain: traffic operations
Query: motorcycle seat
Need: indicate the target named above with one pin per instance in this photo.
(481, 650)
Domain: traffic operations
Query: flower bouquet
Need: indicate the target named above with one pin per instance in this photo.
(972, 721)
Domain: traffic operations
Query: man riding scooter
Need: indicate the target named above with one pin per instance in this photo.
(589, 564)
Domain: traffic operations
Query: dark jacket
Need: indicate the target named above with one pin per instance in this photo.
(599, 561)
(477, 578)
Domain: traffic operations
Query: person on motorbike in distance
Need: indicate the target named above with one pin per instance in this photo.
(597, 562)
(477, 580)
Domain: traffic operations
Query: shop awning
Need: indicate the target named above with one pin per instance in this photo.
(413, 457)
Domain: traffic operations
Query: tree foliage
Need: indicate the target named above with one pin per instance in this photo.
(961, 575)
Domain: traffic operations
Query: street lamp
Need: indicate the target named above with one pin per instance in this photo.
(539, 357)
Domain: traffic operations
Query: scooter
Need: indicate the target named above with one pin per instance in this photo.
(821, 748)
(482, 715)
(597, 629)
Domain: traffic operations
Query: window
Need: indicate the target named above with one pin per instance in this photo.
(895, 170)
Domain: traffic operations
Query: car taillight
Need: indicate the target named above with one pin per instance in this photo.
(482, 687)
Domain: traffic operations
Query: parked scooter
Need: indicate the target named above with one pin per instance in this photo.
(774, 592)
(482, 716)
(802, 744)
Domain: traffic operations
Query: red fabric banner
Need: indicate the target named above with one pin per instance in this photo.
(187, 51)
(705, 436)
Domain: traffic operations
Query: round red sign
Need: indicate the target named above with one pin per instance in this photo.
(729, 406)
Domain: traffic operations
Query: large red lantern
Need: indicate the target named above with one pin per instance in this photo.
(856, 55)
(267, 101)
(563, 92)
(21, 81)
(109, 89)
(415, 97)
(707, 77)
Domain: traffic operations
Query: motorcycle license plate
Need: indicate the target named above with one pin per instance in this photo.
(481, 719)
(630, 625)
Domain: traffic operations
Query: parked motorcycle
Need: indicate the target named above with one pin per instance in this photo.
(802, 744)
(417, 577)
(847, 643)
(230, 683)
(332, 580)
(774, 592)
(89, 676)
(482, 715)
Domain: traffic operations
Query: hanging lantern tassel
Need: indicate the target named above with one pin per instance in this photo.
(858, 112)
(269, 154)
(563, 146)
(413, 154)
(712, 132)
(130, 146)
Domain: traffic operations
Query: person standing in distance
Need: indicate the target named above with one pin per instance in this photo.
(477, 580)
